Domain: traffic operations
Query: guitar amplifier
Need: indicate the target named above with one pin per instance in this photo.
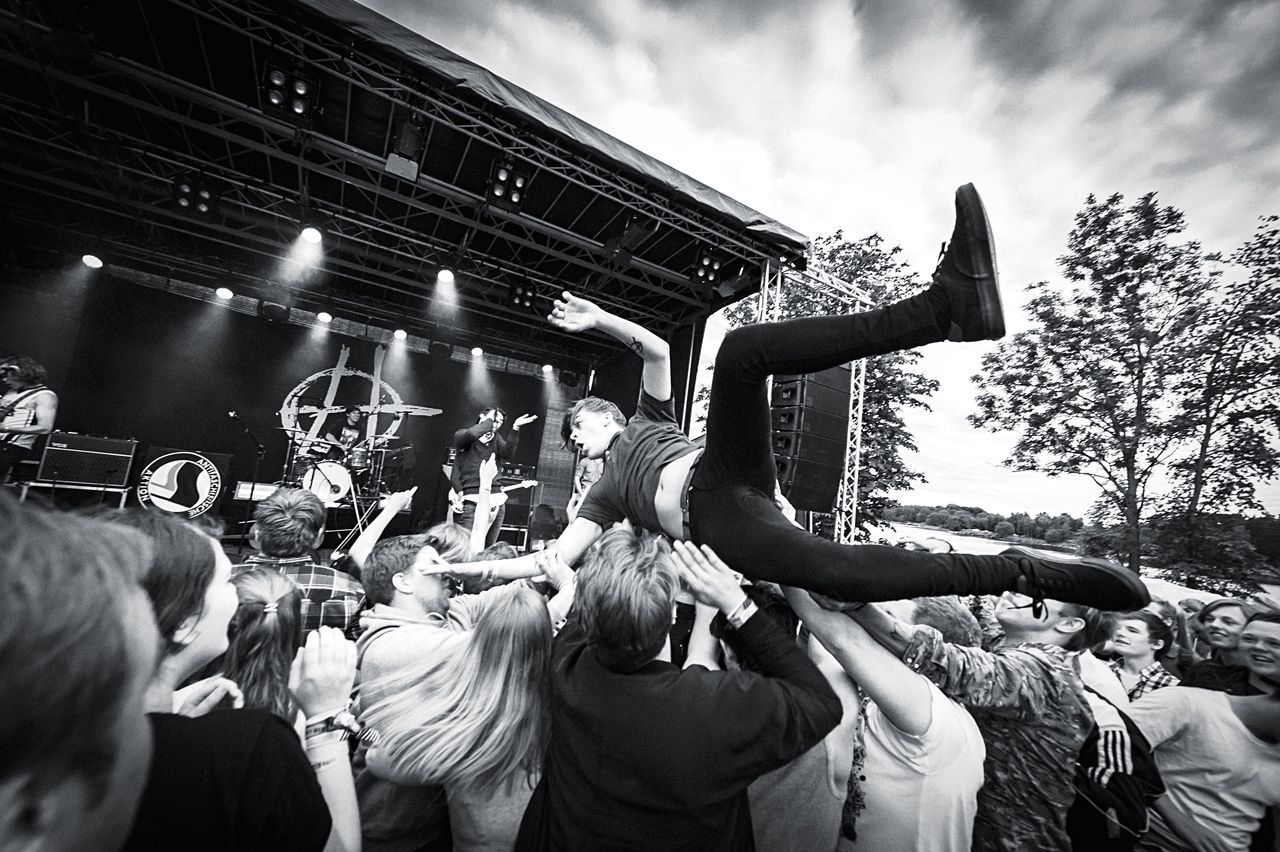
(71, 459)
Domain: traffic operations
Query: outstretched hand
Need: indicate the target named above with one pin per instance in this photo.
(712, 582)
(399, 501)
(524, 420)
(574, 314)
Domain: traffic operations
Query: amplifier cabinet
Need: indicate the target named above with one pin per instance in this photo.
(72, 459)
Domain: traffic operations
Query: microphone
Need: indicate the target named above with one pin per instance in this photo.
(232, 415)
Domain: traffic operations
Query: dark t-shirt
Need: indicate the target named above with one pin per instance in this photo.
(231, 780)
(472, 452)
(633, 467)
(1233, 680)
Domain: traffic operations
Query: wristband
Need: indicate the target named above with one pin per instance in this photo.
(741, 613)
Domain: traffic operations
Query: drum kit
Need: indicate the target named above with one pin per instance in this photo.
(341, 475)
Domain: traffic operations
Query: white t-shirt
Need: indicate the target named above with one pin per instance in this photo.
(1214, 770)
(921, 793)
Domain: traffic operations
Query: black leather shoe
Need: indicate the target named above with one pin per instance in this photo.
(967, 273)
(1077, 579)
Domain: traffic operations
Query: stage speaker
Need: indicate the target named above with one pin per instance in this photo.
(810, 436)
(71, 459)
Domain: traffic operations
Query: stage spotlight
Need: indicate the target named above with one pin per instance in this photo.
(547, 368)
(325, 317)
(507, 186)
(476, 351)
(445, 276)
(311, 234)
(521, 296)
(92, 261)
(289, 94)
(441, 351)
(195, 196)
(224, 293)
(570, 378)
(400, 334)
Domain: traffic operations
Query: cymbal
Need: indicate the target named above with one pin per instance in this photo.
(295, 431)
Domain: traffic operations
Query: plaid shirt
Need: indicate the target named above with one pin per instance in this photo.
(1153, 677)
(329, 598)
(1030, 705)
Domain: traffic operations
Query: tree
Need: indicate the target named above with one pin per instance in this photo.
(1004, 529)
(891, 384)
(1094, 385)
(1212, 553)
(1228, 396)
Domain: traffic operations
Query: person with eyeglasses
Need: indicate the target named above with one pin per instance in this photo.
(1030, 705)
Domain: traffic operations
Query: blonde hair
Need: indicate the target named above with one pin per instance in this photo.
(479, 718)
(626, 592)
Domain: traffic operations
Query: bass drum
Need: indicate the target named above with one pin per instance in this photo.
(329, 481)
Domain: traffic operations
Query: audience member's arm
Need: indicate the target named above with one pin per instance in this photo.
(703, 647)
(1011, 680)
(323, 673)
(573, 542)
(780, 715)
(561, 577)
(574, 314)
(901, 694)
(391, 506)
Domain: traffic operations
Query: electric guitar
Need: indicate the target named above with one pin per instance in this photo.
(496, 498)
(8, 418)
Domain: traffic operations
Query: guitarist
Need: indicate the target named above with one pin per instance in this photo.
(475, 445)
(27, 409)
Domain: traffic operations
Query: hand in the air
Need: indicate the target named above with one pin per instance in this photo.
(323, 671)
(712, 582)
(524, 420)
(399, 501)
(574, 314)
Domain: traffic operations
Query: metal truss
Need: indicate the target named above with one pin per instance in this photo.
(777, 279)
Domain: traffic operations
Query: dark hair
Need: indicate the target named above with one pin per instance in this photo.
(1094, 630)
(264, 639)
(496, 409)
(351, 408)
(1157, 630)
(182, 567)
(1269, 616)
(25, 369)
(390, 557)
(71, 591)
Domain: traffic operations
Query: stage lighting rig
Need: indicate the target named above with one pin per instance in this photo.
(195, 196)
(406, 153)
(706, 270)
(507, 186)
(288, 94)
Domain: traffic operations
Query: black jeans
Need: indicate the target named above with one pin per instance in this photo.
(731, 504)
(10, 455)
(468, 515)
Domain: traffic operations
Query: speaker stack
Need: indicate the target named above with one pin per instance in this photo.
(810, 435)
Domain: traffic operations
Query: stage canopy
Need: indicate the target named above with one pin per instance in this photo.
(120, 119)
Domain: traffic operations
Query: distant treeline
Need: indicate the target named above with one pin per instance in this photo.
(1051, 528)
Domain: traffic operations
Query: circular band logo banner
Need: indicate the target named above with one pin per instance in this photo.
(182, 483)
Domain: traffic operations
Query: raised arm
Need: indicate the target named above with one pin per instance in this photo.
(574, 314)
(901, 694)
(573, 542)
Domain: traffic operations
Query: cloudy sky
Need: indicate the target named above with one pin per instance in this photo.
(829, 114)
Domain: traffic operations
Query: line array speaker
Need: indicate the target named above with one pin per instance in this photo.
(810, 435)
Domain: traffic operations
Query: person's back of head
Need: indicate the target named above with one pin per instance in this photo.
(289, 522)
(950, 617)
(1094, 626)
(452, 542)
(625, 595)
(77, 648)
(265, 635)
(479, 718)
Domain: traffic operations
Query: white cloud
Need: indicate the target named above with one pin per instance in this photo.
(825, 118)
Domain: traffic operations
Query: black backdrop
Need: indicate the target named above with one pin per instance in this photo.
(132, 361)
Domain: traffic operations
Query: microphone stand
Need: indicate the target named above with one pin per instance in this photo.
(259, 452)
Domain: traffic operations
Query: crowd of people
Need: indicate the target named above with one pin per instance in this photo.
(431, 692)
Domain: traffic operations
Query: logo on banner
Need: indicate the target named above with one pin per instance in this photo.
(182, 483)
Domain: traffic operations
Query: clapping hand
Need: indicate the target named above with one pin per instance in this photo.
(574, 314)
